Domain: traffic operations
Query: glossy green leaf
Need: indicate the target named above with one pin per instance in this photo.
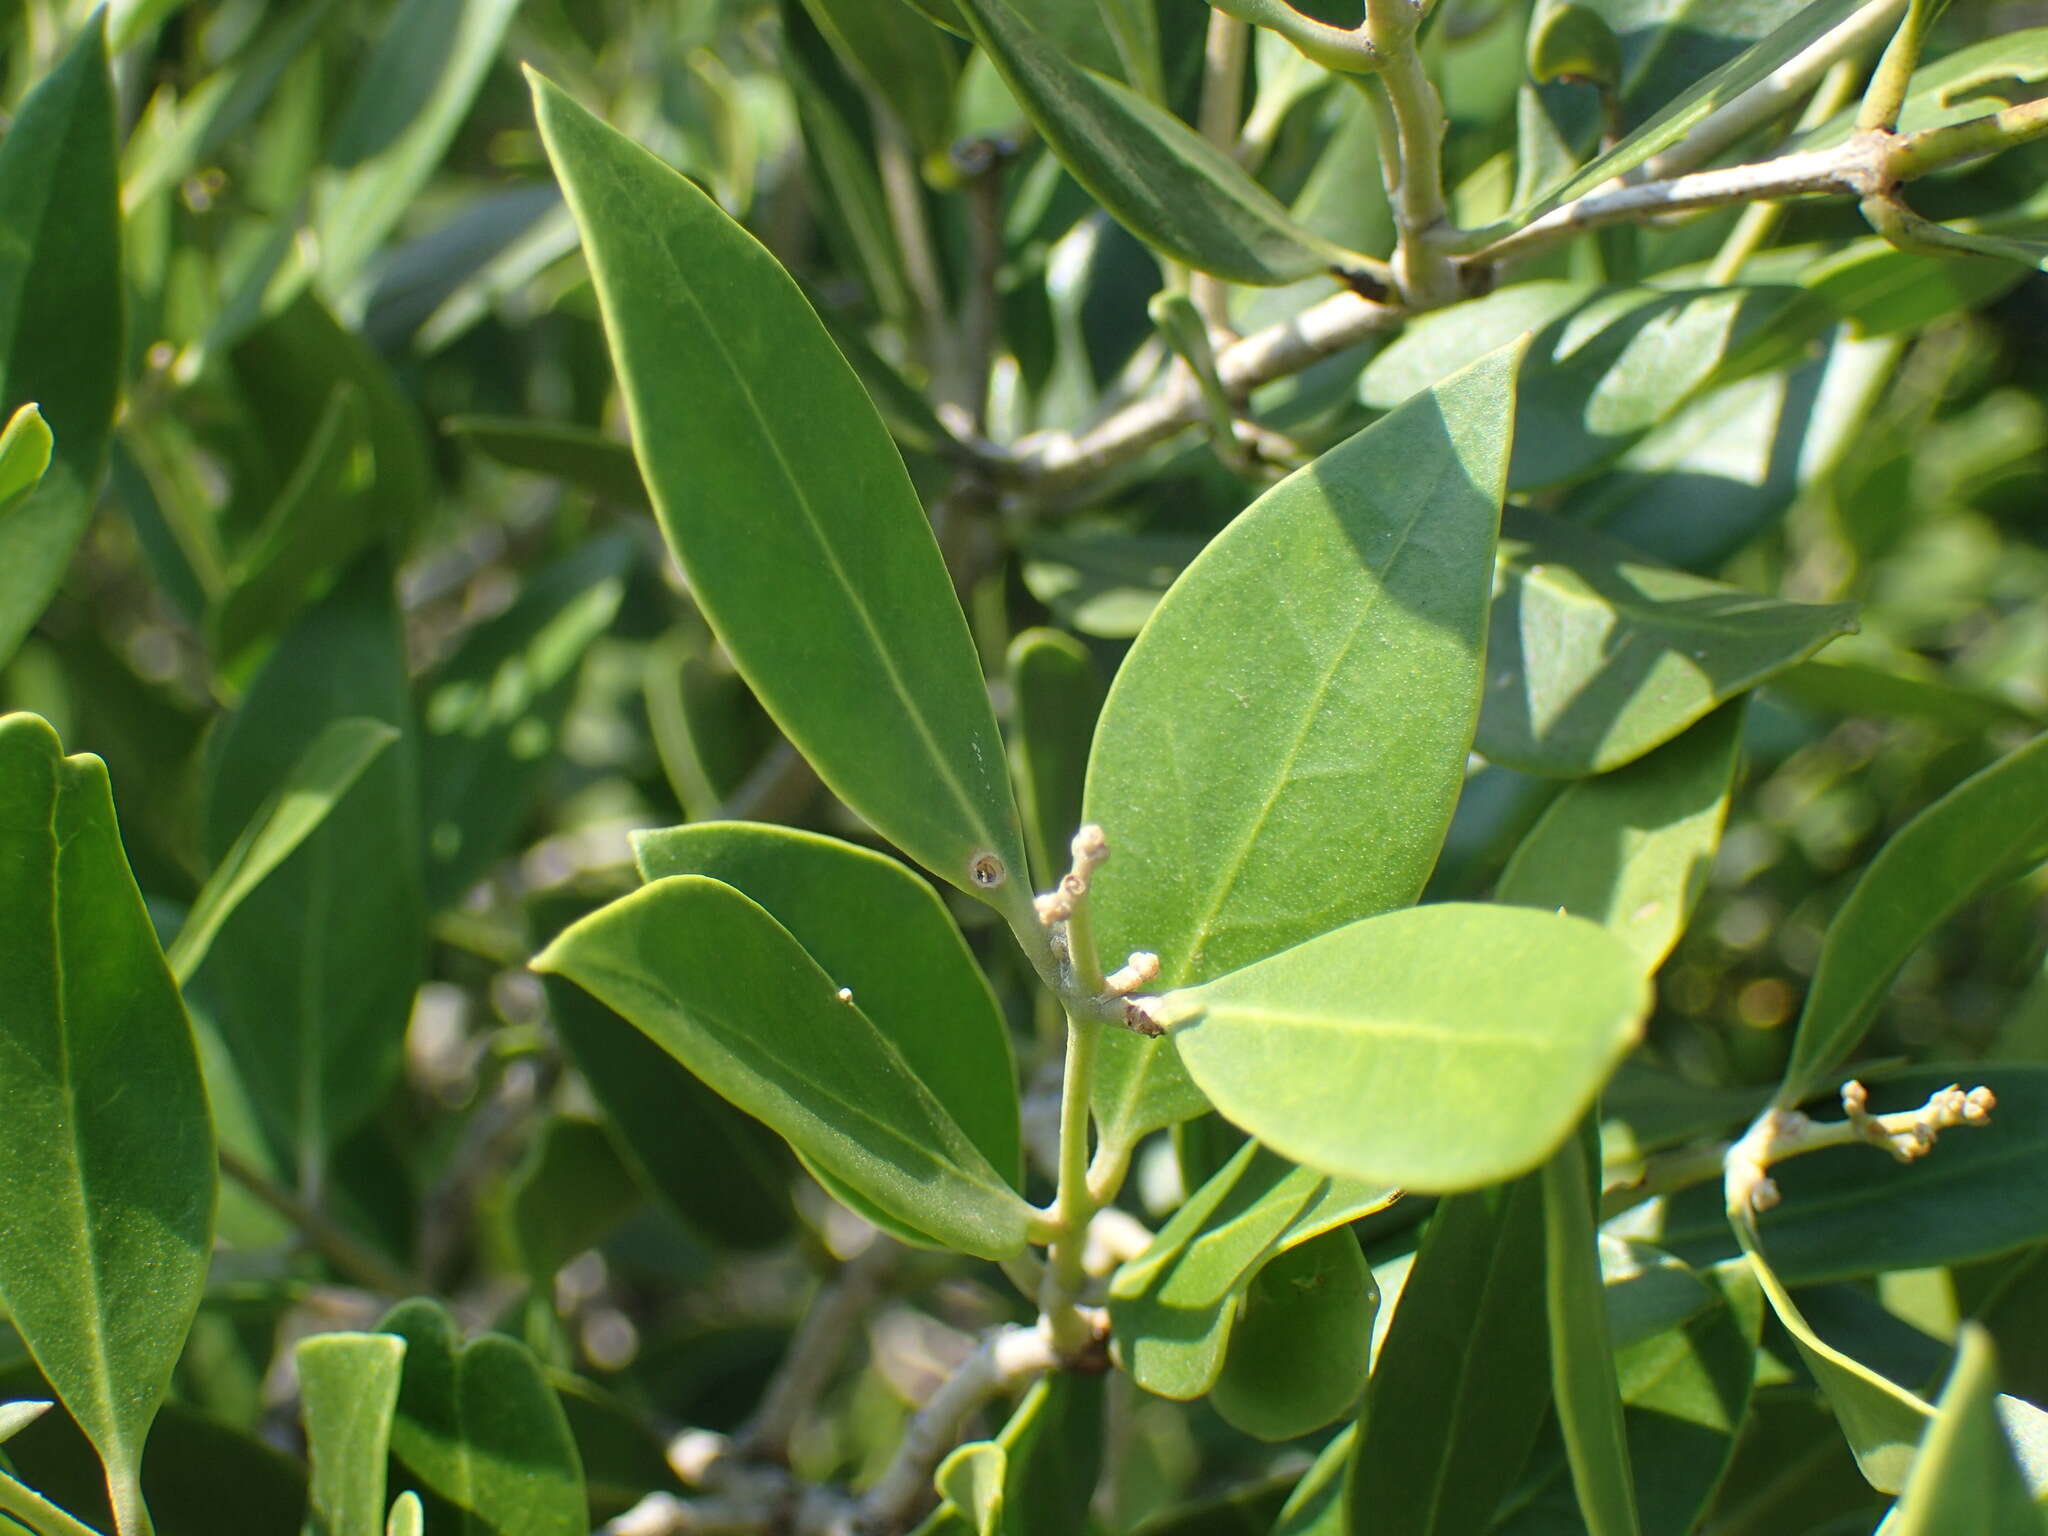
(1460, 1386)
(1283, 747)
(479, 1434)
(577, 456)
(324, 773)
(1172, 1308)
(732, 995)
(411, 96)
(106, 1146)
(1057, 695)
(1155, 175)
(491, 715)
(1582, 1361)
(324, 517)
(1607, 363)
(25, 447)
(901, 57)
(1630, 850)
(1345, 1052)
(61, 312)
(316, 1057)
(1989, 828)
(739, 401)
(1299, 1354)
(348, 1395)
(881, 931)
(1596, 655)
(568, 1193)
(1850, 1212)
(1965, 1479)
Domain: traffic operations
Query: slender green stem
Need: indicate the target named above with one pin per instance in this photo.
(1339, 48)
(1886, 92)
(38, 1513)
(362, 1265)
(1422, 269)
(1934, 149)
(1065, 1274)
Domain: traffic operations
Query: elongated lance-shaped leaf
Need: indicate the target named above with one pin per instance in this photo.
(317, 781)
(61, 312)
(106, 1147)
(900, 55)
(787, 505)
(1630, 850)
(1282, 749)
(730, 993)
(480, 1435)
(1582, 1368)
(1965, 1478)
(1347, 1053)
(1459, 1389)
(1157, 177)
(348, 1394)
(1989, 828)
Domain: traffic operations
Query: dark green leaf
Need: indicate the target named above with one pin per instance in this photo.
(902, 58)
(61, 312)
(1159, 178)
(1057, 696)
(1283, 747)
(106, 1146)
(348, 1394)
(727, 990)
(577, 456)
(1595, 655)
(1460, 1386)
(739, 400)
(1989, 828)
(1346, 1051)
(480, 1435)
(1299, 1354)
(569, 1192)
(1630, 849)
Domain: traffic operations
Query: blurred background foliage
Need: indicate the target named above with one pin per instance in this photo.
(361, 345)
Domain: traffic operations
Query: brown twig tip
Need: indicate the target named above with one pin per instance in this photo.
(1138, 1018)
(1912, 1134)
(1091, 852)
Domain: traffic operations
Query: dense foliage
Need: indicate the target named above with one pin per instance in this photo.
(1017, 769)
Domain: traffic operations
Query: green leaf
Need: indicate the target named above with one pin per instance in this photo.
(732, 995)
(1317, 1506)
(106, 1147)
(1058, 695)
(1347, 1052)
(1048, 1457)
(581, 457)
(1595, 655)
(970, 1480)
(1173, 1307)
(480, 1434)
(568, 1193)
(318, 1057)
(1283, 747)
(408, 1516)
(1573, 42)
(717, 746)
(1460, 1386)
(348, 1395)
(901, 57)
(1582, 1360)
(1103, 582)
(25, 447)
(61, 312)
(1630, 850)
(15, 1417)
(876, 928)
(491, 714)
(1989, 828)
(1156, 176)
(411, 95)
(667, 1122)
(1298, 1357)
(740, 403)
(324, 773)
(1965, 1478)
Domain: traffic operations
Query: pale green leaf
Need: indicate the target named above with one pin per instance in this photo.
(25, 447)
(348, 1394)
(726, 989)
(1349, 1052)
(780, 493)
(106, 1147)
(1283, 747)
(408, 1518)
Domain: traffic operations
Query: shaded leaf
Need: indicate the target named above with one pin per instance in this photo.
(1058, 695)
(577, 456)
(1317, 1506)
(703, 970)
(568, 1193)
(901, 56)
(106, 1146)
(1343, 1052)
(1283, 747)
(1298, 1356)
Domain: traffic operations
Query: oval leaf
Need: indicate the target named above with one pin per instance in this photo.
(1283, 747)
(781, 495)
(732, 995)
(106, 1147)
(1354, 1051)
(1299, 1354)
